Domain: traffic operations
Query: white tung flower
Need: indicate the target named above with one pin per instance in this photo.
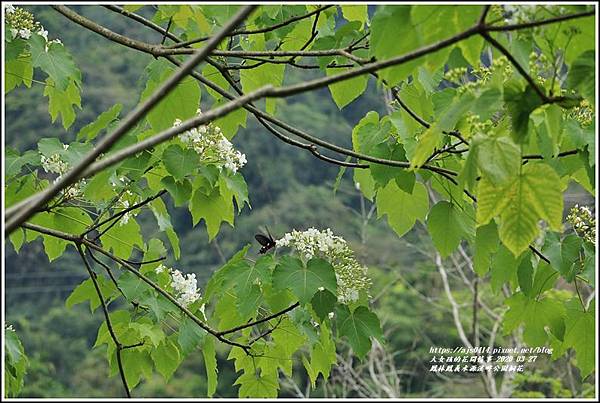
(25, 33)
(212, 146)
(43, 33)
(185, 287)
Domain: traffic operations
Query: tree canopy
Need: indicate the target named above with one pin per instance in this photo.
(489, 119)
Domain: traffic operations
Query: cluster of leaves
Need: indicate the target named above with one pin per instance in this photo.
(513, 164)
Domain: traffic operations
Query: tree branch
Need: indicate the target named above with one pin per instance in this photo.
(111, 331)
(255, 31)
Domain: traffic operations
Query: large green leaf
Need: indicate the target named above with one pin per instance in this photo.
(62, 102)
(180, 162)
(346, 91)
(122, 238)
(55, 60)
(535, 194)
(402, 209)
(213, 208)
(210, 362)
(498, 158)
(486, 244)
(582, 75)
(166, 358)
(322, 356)
(535, 314)
(91, 130)
(579, 334)
(393, 22)
(358, 326)
(520, 103)
(447, 226)
(257, 386)
(181, 103)
(304, 280)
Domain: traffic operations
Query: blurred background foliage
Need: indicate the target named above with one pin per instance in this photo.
(289, 188)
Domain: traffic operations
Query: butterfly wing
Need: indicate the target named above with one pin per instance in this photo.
(263, 240)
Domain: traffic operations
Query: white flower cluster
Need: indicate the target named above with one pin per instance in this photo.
(185, 287)
(584, 223)
(124, 203)
(22, 24)
(351, 276)
(54, 164)
(212, 146)
(8, 327)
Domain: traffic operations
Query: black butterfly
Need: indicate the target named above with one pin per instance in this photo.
(267, 242)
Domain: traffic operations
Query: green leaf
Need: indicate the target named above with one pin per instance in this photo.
(503, 269)
(132, 286)
(166, 358)
(570, 250)
(520, 103)
(393, 22)
(190, 335)
(304, 280)
(582, 73)
(16, 363)
(210, 362)
(498, 158)
(346, 91)
(83, 292)
(180, 162)
(322, 356)
(18, 71)
(257, 386)
(121, 238)
(486, 244)
(533, 195)
(56, 61)
(87, 292)
(323, 302)
(164, 224)
(180, 190)
(237, 185)
(213, 208)
(579, 334)
(181, 103)
(99, 187)
(447, 226)
(358, 326)
(149, 331)
(535, 315)
(427, 143)
(355, 13)
(136, 363)
(216, 282)
(402, 209)
(91, 130)
(525, 276)
(60, 102)
(382, 174)
(364, 182)
(259, 77)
